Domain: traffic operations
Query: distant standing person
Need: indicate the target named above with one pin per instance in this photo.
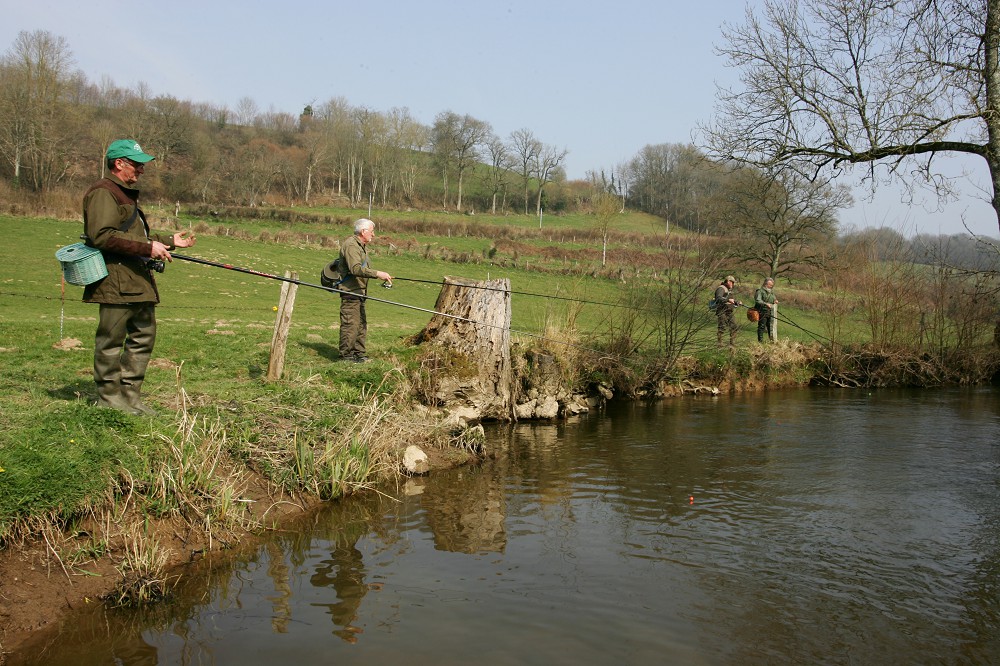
(764, 302)
(126, 327)
(725, 304)
(355, 273)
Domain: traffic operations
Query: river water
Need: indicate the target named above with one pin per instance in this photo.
(807, 526)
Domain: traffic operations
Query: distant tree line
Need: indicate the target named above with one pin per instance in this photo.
(55, 125)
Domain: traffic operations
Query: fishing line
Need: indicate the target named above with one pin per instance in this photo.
(782, 318)
(528, 293)
(271, 276)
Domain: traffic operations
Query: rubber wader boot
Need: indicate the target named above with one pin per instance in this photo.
(130, 394)
(134, 359)
(108, 396)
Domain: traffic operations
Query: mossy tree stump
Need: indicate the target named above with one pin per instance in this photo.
(472, 325)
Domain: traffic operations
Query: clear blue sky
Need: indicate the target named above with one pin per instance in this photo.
(600, 79)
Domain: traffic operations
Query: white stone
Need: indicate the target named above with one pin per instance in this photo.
(526, 410)
(548, 409)
(415, 460)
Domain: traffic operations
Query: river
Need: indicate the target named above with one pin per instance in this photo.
(803, 526)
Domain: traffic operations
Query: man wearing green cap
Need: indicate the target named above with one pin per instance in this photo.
(126, 328)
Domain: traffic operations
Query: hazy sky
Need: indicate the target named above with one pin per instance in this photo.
(600, 79)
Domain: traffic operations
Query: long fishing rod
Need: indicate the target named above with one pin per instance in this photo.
(271, 276)
(783, 318)
(526, 293)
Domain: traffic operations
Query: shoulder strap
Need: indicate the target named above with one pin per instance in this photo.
(123, 199)
(116, 191)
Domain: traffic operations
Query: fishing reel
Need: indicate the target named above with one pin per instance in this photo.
(157, 265)
(387, 284)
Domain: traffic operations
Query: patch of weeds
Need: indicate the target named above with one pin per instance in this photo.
(143, 580)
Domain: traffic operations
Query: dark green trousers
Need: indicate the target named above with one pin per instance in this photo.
(353, 327)
(727, 322)
(122, 348)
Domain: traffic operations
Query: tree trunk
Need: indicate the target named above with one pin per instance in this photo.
(472, 325)
(991, 52)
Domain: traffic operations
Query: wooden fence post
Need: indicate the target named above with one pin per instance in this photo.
(774, 323)
(279, 340)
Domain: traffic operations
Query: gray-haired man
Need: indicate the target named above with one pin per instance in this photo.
(356, 272)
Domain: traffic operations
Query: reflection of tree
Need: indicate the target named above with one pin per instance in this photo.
(278, 572)
(345, 573)
(467, 517)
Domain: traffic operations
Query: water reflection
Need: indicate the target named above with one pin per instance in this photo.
(793, 527)
(466, 517)
(345, 572)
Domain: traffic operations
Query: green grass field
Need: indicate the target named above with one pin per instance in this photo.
(214, 333)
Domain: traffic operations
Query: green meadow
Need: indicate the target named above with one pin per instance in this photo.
(60, 456)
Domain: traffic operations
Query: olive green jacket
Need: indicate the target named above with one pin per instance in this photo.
(762, 298)
(106, 206)
(353, 263)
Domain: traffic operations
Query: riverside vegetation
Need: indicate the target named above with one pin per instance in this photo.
(99, 504)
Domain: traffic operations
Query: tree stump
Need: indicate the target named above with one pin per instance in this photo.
(473, 329)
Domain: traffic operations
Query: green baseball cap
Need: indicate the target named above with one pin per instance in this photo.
(128, 149)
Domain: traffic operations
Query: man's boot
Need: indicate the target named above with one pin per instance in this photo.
(130, 395)
(110, 397)
(135, 358)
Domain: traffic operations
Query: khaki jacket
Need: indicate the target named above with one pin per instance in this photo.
(353, 262)
(106, 205)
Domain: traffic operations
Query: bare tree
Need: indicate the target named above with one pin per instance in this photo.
(884, 280)
(407, 136)
(501, 163)
(784, 218)
(443, 134)
(34, 117)
(548, 162)
(681, 185)
(246, 112)
(171, 127)
(319, 142)
(606, 208)
(252, 171)
(526, 149)
(336, 117)
(874, 82)
(457, 140)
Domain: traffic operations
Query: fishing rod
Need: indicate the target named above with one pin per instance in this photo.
(387, 284)
(782, 318)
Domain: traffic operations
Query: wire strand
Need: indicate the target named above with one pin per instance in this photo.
(528, 293)
(380, 300)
